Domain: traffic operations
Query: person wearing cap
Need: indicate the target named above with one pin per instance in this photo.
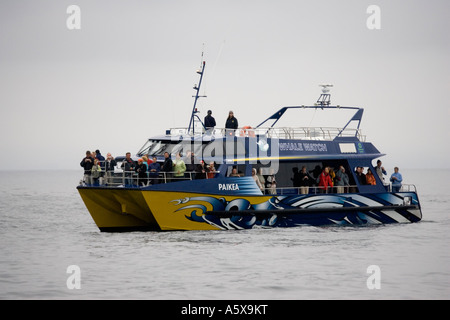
(210, 122)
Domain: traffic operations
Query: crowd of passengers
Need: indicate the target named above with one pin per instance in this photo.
(329, 180)
(326, 179)
(99, 170)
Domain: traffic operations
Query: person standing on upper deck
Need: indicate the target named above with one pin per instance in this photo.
(231, 124)
(210, 122)
(396, 179)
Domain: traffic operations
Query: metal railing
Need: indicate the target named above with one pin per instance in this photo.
(334, 189)
(310, 190)
(307, 133)
(132, 178)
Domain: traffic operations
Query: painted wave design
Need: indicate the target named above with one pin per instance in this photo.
(274, 216)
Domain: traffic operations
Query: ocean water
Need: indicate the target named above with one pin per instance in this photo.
(45, 228)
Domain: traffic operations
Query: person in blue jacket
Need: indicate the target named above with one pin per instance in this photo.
(396, 179)
(210, 122)
(153, 170)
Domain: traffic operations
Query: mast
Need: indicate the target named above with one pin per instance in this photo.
(197, 90)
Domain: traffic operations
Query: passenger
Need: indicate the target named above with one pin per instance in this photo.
(360, 176)
(296, 178)
(211, 170)
(200, 170)
(99, 156)
(210, 122)
(258, 183)
(332, 176)
(110, 163)
(141, 170)
(342, 180)
(146, 161)
(87, 164)
(128, 167)
(271, 183)
(179, 167)
(231, 124)
(234, 173)
(325, 180)
(316, 173)
(96, 172)
(261, 178)
(191, 163)
(380, 171)
(101, 162)
(154, 169)
(167, 167)
(396, 179)
(149, 160)
(305, 181)
(370, 178)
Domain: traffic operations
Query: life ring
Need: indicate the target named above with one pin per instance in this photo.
(243, 132)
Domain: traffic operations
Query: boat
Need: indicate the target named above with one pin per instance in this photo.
(227, 196)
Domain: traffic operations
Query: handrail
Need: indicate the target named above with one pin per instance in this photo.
(308, 133)
(132, 179)
(311, 190)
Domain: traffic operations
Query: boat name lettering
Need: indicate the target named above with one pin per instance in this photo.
(321, 147)
(298, 146)
(228, 186)
(291, 146)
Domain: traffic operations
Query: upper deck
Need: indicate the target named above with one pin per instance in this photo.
(267, 140)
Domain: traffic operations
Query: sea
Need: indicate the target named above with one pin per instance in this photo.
(51, 249)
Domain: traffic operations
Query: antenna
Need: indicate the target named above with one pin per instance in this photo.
(325, 97)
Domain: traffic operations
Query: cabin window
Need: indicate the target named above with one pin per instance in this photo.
(347, 147)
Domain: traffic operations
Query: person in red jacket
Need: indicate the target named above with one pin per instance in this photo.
(325, 180)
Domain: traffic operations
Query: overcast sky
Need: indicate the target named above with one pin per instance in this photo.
(128, 73)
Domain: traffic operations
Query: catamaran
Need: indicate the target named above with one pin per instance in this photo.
(221, 191)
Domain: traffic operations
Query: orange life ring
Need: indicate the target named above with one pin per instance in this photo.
(243, 132)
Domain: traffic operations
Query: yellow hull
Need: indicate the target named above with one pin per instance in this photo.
(118, 209)
(122, 209)
(172, 213)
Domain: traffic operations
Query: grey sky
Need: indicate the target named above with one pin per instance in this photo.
(128, 73)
